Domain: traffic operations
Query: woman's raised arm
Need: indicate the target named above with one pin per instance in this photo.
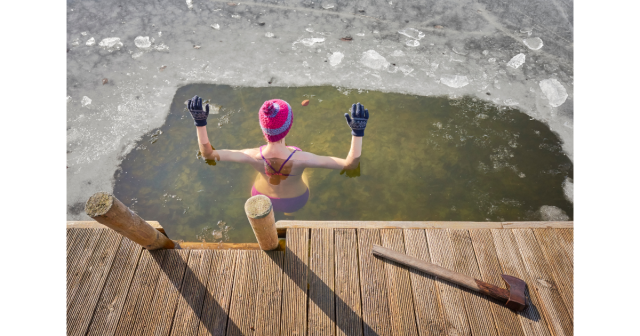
(357, 121)
(199, 116)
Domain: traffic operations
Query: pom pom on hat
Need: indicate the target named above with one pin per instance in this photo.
(276, 118)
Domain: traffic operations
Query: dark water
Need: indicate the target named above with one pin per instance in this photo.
(424, 158)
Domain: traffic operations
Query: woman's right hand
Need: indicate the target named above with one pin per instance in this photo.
(198, 114)
(358, 119)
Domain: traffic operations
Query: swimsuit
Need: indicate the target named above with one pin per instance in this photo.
(292, 204)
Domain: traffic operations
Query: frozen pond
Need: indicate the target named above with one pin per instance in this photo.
(423, 158)
(125, 62)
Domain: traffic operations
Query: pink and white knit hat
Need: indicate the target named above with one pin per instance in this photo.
(276, 118)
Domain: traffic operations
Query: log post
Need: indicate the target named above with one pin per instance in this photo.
(259, 210)
(108, 210)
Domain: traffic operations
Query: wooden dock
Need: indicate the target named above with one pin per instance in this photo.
(325, 282)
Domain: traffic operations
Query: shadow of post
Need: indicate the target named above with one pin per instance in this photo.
(325, 305)
(216, 320)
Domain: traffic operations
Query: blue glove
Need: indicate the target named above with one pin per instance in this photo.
(358, 119)
(197, 113)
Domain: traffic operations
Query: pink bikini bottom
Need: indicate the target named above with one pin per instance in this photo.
(285, 204)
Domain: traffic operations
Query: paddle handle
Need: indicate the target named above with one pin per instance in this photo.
(443, 273)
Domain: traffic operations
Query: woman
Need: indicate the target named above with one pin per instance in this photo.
(280, 167)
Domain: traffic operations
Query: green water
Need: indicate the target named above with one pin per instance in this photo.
(423, 158)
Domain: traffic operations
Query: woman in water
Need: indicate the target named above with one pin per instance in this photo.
(280, 166)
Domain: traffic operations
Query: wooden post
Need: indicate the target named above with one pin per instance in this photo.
(259, 210)
(108, 210)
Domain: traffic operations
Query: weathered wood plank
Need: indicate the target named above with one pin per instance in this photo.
(191, 300)
(560, 262)
(78, 261)
(531, 318)
(294, 290)
(167, 292)
(84, 301)
(321, 277)
(111, 302)
(537, 225)
(140, 295)
(403, 319)
(243, 297)
(75, 244)
(429, 315)
(347, 283)
(546, 288)
(565, 239)
(71, 236)
(478, 306)
(219, 246)
(269, 297)
(95, 225)
(373, 284)
(283, 225)
(507, 323)
(215, 311)
(441, 251)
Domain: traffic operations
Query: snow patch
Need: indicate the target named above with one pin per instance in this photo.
(91, 41)
(142, 42)
(533, 43)
(567, 187)
(517, 61)
(336, 58)
(412, 33)
(454, 81)
(111, 43)
(189, 4)
(552, 213)
(309, 41)
(269, 34)
(85, 101)
(412, 43)
(397, 53)
(554, 91)
(373, 60)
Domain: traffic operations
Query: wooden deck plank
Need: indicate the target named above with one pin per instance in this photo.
(111, 302)
(322, 313)
(79, 260)
(429, 315)
(403, 318)
(560, 262)
(565, 239)
(138, 302)
(91, 284)
(373, 286)
(478, 306)
(75, 244)
(294, 284)
(71, 236)
(191, 300)
(538, 225)
(347, 283)
(531, 318)
(269, 297)
(454, 313)
(215, 311)
(507, 323)
(243, 296)
(167, 292)
(543, 283)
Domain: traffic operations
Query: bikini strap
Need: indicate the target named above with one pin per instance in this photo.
(266, 161)
(287, 160)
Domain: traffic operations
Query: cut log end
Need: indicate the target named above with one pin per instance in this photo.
(98, 204)
(258, 206)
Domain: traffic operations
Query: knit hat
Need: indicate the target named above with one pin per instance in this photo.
(275, 119)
